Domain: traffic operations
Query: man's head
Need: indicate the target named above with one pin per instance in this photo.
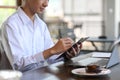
(35, 6)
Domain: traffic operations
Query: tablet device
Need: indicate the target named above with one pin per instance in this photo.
(74, 46)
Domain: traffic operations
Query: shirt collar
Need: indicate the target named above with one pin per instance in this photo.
(25, 19)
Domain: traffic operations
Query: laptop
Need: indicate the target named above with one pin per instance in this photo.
(107, 61)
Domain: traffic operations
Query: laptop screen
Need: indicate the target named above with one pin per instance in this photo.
(114, 58)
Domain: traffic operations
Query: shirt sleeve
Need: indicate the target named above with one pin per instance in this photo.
(49, 43)
(14, 40)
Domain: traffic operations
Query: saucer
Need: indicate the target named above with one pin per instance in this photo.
(82, 72)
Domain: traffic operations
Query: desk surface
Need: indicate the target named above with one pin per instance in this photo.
(60, 71)
(101, 39)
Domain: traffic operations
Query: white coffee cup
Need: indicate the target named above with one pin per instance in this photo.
(10, 75)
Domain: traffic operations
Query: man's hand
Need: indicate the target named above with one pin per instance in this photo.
(62, 45)
(74, 51)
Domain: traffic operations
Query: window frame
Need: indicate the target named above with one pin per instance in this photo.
(11, 7)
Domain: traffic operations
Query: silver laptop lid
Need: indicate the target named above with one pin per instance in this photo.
(114, 58)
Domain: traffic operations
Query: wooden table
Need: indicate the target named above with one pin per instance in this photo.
(59, 71)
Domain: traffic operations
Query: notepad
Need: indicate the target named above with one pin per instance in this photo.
(101, 54)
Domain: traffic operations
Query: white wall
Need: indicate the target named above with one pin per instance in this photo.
(117, 17)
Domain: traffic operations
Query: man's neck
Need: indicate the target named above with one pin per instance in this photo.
(28, 13)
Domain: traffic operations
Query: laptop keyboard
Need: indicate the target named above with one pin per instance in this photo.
(102, 62)
(97, 61)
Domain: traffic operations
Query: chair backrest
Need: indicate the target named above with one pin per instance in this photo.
(4, 62)
(65, 32)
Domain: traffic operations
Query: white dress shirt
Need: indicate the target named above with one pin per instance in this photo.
(24, 41)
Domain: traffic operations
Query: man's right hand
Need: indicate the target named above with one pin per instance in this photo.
(62, 45)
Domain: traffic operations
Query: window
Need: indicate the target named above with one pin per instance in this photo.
(7, 7)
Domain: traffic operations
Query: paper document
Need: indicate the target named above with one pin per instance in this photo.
(101, 54)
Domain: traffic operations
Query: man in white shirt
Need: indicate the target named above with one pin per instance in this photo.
(26, 39)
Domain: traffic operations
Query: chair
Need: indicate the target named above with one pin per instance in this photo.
(4, 62)
(66, 32)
